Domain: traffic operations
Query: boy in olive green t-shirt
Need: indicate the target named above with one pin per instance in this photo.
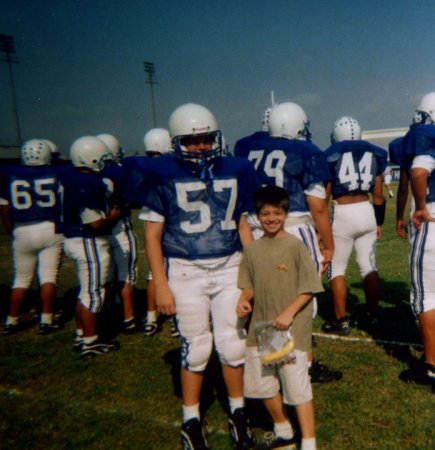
(280, 272)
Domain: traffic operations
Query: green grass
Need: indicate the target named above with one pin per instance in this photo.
(50, 399)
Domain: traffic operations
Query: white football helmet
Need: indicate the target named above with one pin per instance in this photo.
(116, 151)
(345, 129)
(35, 152)
(53, 146)
(288, 120)
(157, 140)
(90, 152)
(265, 119)
(425, 112)
(191, 119)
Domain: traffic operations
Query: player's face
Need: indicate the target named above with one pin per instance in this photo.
(272, 219)
(199, 143)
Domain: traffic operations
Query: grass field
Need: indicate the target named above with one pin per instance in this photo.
(130, 399)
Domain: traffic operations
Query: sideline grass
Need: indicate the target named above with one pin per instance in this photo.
(50, 399)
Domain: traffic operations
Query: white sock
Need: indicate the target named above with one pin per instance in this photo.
(151, 316)
(79, 332)
(12, 320)
(283, 429)
(90, 339)
(190, 412)
(308, 444)
(235, 403)
(46, 318)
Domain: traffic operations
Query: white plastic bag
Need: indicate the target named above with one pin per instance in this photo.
(275, 346)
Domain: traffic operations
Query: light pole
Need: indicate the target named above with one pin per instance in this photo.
(7, 46)
(150, 71)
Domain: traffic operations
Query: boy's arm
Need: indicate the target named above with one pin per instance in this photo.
(6, 218)
(285, 318)
(244, 306)
(245, 232)
(153, 240)
(107, 222)
(402, 197)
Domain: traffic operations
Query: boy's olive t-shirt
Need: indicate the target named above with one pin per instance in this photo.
(278, 270)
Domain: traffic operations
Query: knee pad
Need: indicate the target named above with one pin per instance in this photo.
(196, 351)
(231, 349)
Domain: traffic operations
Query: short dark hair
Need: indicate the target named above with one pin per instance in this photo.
(271, 195)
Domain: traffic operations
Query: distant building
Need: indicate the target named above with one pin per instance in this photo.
(382, 138)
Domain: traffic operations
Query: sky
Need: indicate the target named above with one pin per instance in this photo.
(80, 69)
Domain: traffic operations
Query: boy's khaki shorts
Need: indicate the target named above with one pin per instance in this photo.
(265, 382)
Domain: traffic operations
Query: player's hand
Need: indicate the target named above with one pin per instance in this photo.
(327, 257)
(420, 216)
(244, 308)
(402, 228)
(378, 232)
(165, 303)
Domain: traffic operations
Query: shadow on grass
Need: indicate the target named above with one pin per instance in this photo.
(397, 323)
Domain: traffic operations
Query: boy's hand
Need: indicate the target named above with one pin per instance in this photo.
(165, 302)
(244, 308)
(283, 321)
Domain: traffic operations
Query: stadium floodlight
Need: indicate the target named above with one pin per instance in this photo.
(7, 46)
(150, 71)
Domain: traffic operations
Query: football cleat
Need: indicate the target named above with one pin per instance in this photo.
(274, 442)
(10, 329)
(192, 437)
(423, 374)
(240, 431)
(320, 373)
(340, 327)
(47, 328)
(98, 348)
(152, 328)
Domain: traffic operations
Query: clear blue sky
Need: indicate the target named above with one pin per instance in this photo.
(81, 63)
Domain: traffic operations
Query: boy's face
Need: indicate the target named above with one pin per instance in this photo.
(199, 143)
(272, 219)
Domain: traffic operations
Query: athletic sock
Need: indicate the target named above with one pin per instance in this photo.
(283, 429)
(308, 444)
(190, 412)
(235, 403)
(12, 320)
(151, 316)
(46, 318)
(90, 339)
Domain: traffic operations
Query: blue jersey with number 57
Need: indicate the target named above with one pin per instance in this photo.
(32, 193)
(201, 215)
(288, 163)
(354, 166)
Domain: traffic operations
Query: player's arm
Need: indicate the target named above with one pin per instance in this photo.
(244, 306)
(379, 204)
(419, 177)
(402, 198)
(319, 211)
(106, 222)
(285, 318)
(6, 218)
(245, 232)
(153, 243)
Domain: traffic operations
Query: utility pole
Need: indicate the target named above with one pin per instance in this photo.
(150, 71)
(7, 46)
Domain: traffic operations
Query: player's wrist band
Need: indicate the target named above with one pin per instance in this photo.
(379, 213)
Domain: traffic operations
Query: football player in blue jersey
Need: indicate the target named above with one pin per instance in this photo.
(122, 239)
(157, 142)
(419, 143)
(356, 167)
(87, 222)
(31, 211)
(196, 225)
(286, 158)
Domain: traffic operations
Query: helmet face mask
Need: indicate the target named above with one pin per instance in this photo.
(195, 135)
(115, 150)
(345, 129)
(288, 120)
(89, 152)
(35, 152)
